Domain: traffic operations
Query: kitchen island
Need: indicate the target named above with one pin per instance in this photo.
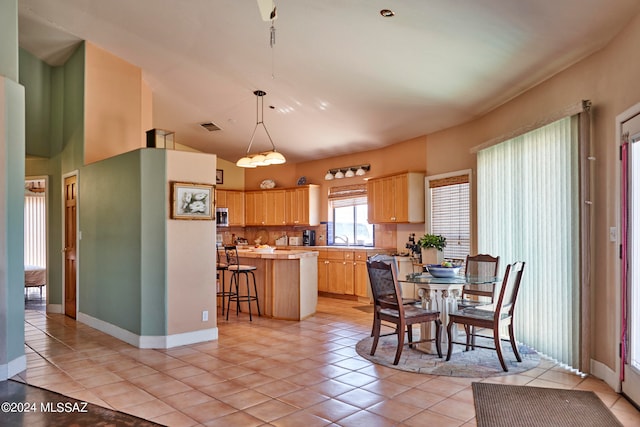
(287, 282)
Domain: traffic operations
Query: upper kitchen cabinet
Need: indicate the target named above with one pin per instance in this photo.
(277, 207)
(234, 201)
(303, 205)
(396, 198)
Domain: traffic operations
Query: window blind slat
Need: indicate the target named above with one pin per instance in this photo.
(450, 214)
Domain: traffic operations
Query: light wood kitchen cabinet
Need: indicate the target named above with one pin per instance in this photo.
(234, 201)
(360, 275)
(338, 272)
(396, 198)
(303, 205)
(275, 207)
(323, 283)
(254, 208)
(289, 206)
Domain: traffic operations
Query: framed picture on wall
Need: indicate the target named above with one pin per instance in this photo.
(219, 176)
(191, 201)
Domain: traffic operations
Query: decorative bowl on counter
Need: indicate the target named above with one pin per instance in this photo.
(437, 270)
(264, 249)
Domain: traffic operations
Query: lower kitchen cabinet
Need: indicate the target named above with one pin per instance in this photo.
(344, 272)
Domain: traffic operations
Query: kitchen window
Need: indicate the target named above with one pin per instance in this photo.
(348, 208)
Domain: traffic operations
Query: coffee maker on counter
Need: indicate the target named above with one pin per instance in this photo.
(308, 238)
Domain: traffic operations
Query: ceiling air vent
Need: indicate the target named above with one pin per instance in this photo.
(210, 126)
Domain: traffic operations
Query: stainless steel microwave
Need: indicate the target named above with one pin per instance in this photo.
(222, 217)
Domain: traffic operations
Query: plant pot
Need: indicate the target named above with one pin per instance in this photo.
(432, 256)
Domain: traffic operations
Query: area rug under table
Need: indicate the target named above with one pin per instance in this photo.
(478, 363)
(499, 405)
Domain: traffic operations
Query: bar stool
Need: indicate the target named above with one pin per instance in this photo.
(237, 269)
(221, 267)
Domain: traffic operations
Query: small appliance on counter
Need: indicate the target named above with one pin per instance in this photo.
(281, 241)
(295, 241)
(308, 238)
(222, 217)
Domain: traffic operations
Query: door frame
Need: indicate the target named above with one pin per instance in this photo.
(620, 119)
(75, 173)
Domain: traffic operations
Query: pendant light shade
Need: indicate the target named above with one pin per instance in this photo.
(275, 158)
(328, 176)
(245, 162)
(272, 157)
(349, 173)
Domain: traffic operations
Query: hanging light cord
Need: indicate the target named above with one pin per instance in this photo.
(260, 119)
(272, 43)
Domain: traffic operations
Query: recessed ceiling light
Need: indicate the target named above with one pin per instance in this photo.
(387, 13)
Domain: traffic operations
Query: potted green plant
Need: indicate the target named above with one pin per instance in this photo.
(431, 248)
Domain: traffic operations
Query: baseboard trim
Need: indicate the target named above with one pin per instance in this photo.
(13, 368)
(149, 341)
(606, 374)
(54, 308)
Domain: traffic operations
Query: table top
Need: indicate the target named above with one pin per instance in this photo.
(428, 279)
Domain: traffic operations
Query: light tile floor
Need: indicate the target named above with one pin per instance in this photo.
(265, 372)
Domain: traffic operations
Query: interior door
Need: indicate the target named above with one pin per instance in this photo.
(70, 224)
(631, 251)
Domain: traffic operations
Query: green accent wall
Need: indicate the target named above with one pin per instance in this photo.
(154, 211)
(36, 75)
(13, 169)
(122, 205)
(9, 39)
(122, 251)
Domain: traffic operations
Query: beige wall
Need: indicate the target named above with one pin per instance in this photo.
(609, 79)
(190, 252)
(233, 176)
(118, 107)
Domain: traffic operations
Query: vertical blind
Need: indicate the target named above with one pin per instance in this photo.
(35, 235)
(450, 214)
(528, 210)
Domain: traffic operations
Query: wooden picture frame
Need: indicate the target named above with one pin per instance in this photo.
(219, 176)
(191, 201)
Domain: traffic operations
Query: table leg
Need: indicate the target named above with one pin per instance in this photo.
(444, 302)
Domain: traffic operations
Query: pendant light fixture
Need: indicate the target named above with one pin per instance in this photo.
(272, 157)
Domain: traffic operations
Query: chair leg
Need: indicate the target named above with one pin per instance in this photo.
(232, 282)
(410, 335)
(246, 278)
(255, 289)
(400, 333)
(514, 346)
(469, 333)
(498, 342)
(438, 323)
(376, 334)
(449, 331)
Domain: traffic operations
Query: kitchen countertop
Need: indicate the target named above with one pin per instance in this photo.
(279, 253)
(340, 248)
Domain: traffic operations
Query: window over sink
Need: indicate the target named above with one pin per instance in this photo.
(349, 210)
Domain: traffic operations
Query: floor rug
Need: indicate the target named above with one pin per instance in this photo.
(479, 363)
(499, 405)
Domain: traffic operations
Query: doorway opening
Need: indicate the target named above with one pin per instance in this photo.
(35, 244)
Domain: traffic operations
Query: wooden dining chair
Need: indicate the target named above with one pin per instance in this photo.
(388, 307)
(481, 265)
(389, 260)
(483, 317)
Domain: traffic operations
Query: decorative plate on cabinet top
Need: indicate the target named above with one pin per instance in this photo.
(302, 180)
(267, 183)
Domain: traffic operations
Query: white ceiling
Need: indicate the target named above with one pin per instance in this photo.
(340, 77)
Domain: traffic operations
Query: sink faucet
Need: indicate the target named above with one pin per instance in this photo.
(345, 239)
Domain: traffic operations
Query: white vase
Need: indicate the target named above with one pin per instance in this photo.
(432, 256)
